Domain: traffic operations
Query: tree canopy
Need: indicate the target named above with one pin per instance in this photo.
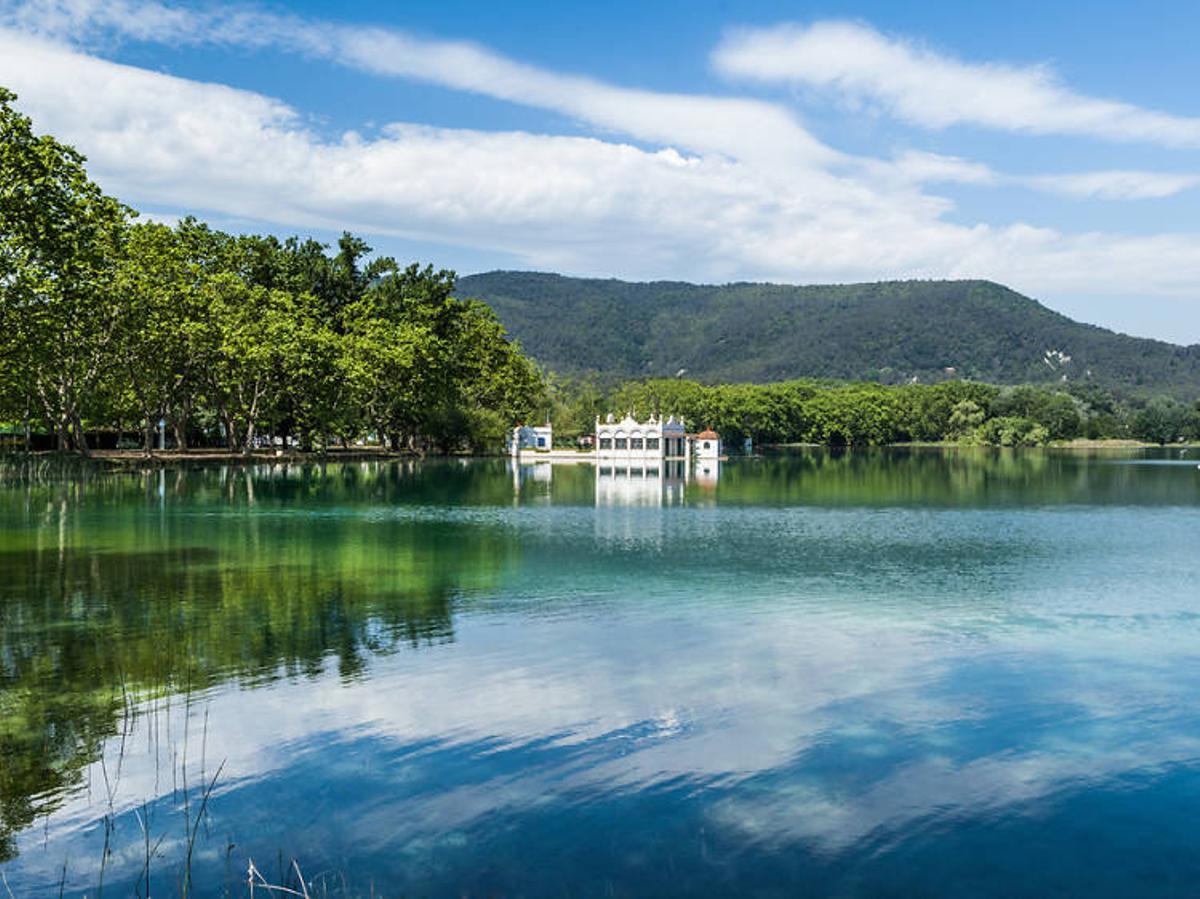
(859, 413)
(112, 323)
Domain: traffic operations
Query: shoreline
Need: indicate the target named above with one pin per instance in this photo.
(1081, 443)
(137, 459)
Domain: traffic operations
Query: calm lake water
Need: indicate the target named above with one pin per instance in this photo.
(867, 673)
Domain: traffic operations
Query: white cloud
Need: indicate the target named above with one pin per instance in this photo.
(739, 128)
(170, 219)
(932, 167)
(924, 87)
(1115, 185)
(710, 205)
(919, 168)
(915, 168)
(579, 203)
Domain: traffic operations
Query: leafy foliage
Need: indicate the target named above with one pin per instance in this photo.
(60, 237)
(116, 323)
(840, 413)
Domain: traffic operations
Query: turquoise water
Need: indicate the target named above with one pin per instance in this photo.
(867, 673)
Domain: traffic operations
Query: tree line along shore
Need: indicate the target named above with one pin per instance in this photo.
(855, 413)
(121, 333)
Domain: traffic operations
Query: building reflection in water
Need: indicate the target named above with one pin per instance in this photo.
(636, 484)
(630, 500)
(655, 484)
(707, 472)
(531, 480)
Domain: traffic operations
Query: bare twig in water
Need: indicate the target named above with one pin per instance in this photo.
(150, 853)
(254, 878)
(300, 877)
(203, 758)
(110, 789)
(187, 875)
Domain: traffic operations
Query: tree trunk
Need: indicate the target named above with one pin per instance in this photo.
(248, 446)
(80, 437)
(62, 419)
(62, 433)
(148, 437)
(179, 424)
(231, 442)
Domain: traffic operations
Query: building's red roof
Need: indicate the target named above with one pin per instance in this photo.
(708, 434)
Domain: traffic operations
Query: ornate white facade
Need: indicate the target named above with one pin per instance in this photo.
(630, 439)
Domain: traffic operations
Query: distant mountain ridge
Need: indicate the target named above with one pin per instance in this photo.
(891, 331)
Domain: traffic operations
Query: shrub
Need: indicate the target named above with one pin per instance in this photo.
(1011, 430)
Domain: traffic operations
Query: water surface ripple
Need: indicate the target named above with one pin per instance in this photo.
(861, 673)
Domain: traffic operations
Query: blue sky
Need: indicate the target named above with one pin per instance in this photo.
(1052, 147)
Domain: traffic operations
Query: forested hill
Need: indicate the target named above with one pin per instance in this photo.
(888, 331)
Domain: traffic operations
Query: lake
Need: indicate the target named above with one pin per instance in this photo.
(858, 673)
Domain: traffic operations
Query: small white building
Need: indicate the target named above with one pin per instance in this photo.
(531, 438)
(630, 439)
(707, 445)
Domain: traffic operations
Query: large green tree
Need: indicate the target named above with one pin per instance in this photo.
(60, 238)
(159, 306)
(255, 339)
